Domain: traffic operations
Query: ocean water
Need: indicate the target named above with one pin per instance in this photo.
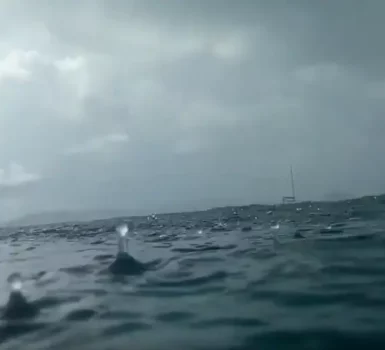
(299, 276)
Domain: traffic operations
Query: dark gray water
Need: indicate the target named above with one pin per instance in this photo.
(305, 276)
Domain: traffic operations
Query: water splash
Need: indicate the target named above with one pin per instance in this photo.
(15, 282)
(125, 264)
(152, 217)
(122, 231)
(17, 306)
(275, 226)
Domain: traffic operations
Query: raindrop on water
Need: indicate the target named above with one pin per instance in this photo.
(122, 231)
(15, 282)
(275, 227)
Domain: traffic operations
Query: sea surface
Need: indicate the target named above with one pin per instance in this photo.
(297, 276)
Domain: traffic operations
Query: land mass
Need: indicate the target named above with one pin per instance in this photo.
(68, 216)
(64, 216)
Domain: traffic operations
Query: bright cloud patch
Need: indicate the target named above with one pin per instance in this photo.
(16, 65)
(99, 144)
(16, 175)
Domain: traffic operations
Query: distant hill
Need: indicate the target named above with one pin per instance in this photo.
(90, 215)
(337, 196)
(65, 216)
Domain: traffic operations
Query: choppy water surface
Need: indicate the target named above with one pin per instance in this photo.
(305, 276)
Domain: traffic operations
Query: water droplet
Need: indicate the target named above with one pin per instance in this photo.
(15, 282)
(122, 230)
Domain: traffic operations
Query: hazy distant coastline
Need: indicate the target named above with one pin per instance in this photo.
(64, 216)
(44, 218)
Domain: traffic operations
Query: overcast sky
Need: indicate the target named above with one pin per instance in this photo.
(166, 105)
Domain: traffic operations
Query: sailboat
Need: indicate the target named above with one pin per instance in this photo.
(290, 199)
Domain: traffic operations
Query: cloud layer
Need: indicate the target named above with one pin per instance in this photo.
(158, 106)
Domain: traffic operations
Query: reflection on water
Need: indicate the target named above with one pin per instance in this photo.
(295, 277)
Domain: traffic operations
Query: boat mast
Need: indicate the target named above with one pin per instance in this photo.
(292, 182)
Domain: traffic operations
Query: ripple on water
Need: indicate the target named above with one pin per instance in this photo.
(241, 288)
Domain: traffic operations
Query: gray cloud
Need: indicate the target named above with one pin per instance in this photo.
(15, 175)
(98, 144)
(176, 105)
